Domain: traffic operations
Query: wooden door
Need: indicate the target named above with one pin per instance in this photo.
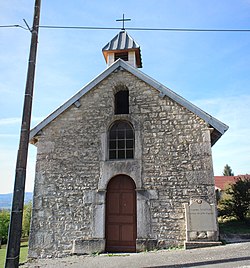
(121, 215)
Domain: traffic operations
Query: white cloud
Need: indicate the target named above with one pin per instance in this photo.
(9, 136)
(7, 167)
(9, 121)
(233, 148)
(17, 120)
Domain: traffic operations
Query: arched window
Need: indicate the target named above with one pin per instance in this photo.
(122, 102)
(121, 141)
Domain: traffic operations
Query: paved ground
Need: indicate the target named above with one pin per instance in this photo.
(231, 255)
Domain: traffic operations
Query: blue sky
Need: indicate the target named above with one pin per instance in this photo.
(210, 69)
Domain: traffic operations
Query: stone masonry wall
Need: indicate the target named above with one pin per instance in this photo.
(175, 157)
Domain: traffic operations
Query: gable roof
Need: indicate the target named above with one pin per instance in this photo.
(219, 127)
(221, 182)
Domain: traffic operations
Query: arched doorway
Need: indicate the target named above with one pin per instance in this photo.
(120, 231)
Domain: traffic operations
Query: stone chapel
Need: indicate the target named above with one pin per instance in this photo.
(120, 163)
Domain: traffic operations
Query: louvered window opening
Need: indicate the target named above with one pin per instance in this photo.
(121, 141)
(121, 55)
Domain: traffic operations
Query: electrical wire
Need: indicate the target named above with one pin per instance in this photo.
(143, 29)
(14, 26)
(128, 28)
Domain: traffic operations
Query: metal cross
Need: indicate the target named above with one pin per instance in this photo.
(123, 20)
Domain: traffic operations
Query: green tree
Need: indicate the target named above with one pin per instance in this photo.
(27, 210)
(236, 201)
(228, 171)
(4, 226)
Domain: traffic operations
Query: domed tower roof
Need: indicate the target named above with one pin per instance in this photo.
(123, 46)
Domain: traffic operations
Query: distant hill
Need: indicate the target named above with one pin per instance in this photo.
(6, 200)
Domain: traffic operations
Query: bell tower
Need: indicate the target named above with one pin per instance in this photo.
(123, 46)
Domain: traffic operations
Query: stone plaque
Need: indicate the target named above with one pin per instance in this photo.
(200, 220)
(201, 216)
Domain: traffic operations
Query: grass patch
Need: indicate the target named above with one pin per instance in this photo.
(233, 226)
(2, 255)
(117, 254)
(176, 247)
(23, 253)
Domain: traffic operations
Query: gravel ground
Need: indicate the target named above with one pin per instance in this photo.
(231, 255)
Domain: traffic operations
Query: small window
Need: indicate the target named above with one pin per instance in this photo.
(122, 102)
(121, 55)
(121, 141)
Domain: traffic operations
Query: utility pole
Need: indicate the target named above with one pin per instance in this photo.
(15, 229)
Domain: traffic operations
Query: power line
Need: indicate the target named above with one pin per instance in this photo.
(143, 29)
(13, 26)
(128, 28)
(79, 27)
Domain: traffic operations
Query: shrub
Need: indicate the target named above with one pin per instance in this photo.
(236, 200)
(4, 225)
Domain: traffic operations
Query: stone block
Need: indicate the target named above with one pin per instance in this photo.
(193, 245)
(87, 246)
(145, 244)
